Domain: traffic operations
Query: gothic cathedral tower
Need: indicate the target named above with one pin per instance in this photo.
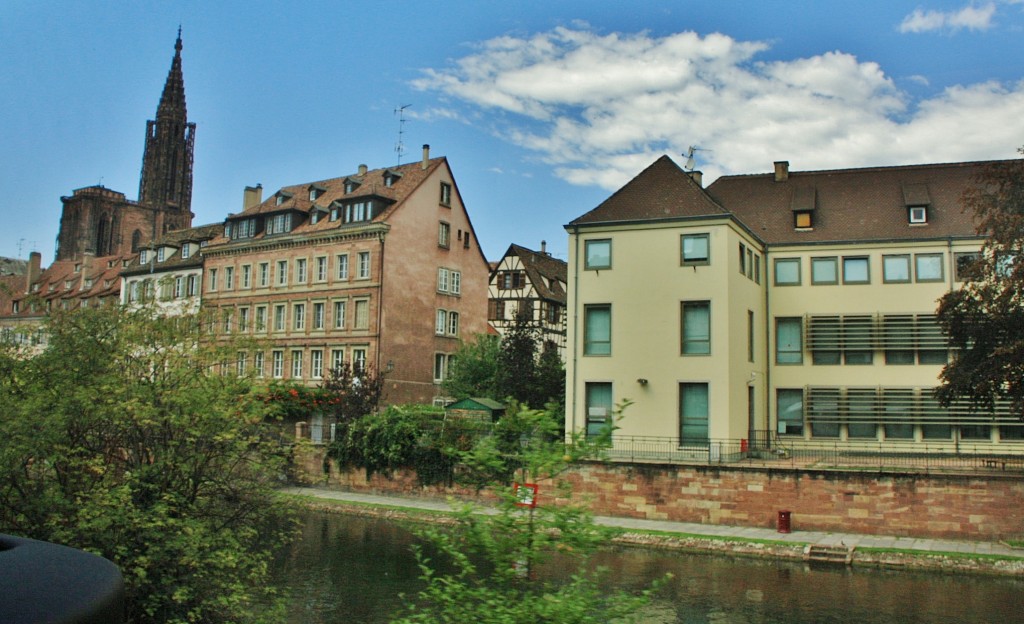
(98, 221)
(166, 182)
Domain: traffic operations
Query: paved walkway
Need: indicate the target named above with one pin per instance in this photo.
(709, 530)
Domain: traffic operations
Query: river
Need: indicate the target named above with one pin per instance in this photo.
(350, 569)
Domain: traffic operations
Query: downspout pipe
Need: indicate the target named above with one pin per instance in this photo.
(575, 322)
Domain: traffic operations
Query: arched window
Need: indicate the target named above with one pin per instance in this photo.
(103, 236)
(136, 241)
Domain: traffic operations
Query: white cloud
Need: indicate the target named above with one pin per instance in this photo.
(599, 108)
(970, 18)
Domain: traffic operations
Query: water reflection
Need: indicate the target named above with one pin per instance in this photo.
(348, 569)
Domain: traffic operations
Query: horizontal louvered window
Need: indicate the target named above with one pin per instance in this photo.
(855, 405)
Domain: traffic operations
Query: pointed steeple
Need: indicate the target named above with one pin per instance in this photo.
(166, 181)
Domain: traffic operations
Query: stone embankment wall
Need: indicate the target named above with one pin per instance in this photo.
(976, 507)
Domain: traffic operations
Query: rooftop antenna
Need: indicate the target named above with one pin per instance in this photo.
(690, 161)
(400, 146)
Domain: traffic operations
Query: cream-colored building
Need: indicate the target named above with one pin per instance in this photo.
(790, 305)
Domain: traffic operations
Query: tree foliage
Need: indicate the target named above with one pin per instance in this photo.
(494, 558)
(984, 318)
(474, 369)
(349, 394)
(121, 439)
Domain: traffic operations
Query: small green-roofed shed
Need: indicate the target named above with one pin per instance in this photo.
(476, 408)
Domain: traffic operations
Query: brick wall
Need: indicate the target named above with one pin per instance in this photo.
(939, 506)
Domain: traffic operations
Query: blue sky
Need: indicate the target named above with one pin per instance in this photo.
(542, 108)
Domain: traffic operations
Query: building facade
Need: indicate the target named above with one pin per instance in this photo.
(788, 305)
(379, 269)
(168, 273)
(531, 284)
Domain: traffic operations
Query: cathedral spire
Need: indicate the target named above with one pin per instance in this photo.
(166, 181)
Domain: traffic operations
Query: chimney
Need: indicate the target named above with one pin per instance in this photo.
(426, 155)
(362, 170)
(697, 177)
(781, 170)
(544, 247)
(252, 196)
(35, 260)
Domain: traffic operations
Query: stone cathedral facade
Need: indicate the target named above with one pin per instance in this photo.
(97, 221)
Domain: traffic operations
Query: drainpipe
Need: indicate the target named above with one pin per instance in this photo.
(768, 362)
(380, 304)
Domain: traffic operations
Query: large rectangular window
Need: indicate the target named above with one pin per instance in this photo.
(299, 316)
(597, 330)
(789, 348)
(695, 249)
(789, 409)
(318, 315)
(296, 364)
(277, 364)
(599, 407)
(787, 272)
(696, 330)
(316, 363)
(928, 267)
(340, 308)
(598, 254)
(364, 265)
(896, 269)
(855, 270)
(693, 413)
(362, 320)
(824, 270)
(342, 262)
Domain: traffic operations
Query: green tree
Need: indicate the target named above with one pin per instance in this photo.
(493, 557)
(984, 318)
(349, 394)
(473, 370)
(122, 438)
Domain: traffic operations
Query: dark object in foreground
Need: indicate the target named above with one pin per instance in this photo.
(43, 582)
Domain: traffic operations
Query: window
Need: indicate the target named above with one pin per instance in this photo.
(229, 278)
(693, 413)
(279, 312)
(179, 287)
(441, 322)
(282, 272)
(318, 315)
(597, 330)
(316, 363)
(824, 271)
(456, 282)
(213, 279)
(192, 286)
(743, 259)
(247, 276)
(296, 364)
(855, 270)
(444, 234)
(917, 214)
(861, 413)
(495, 310)
(359, 360)
(299, 316)
(967, 266)
(789, 409)
(144, 256)
(264, 274)
(750, 336)
(257, 363)
(696, 330)
(261, 319)
(186, 251)
(858, 336)
(300, 271)
(788, 340)
(337, 359)
(787, 272)
(446, 194)
(277, 364)
(757, 269)
(278, 224)
(442, 361)
(453, 323)
(802, 219)
(599, 407)
(362, 320)
(243, 319)
(511, 280)
(598, 254)
(895, 269)
(695, 249)
(339, 314)
(321, 269)
(240, 362)
(161, 254)
(228, 316)
(442, 280)
(364, 265)
(928, 267)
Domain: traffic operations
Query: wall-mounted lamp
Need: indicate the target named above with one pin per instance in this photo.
(642, 381)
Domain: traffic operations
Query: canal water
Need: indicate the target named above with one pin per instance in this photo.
(350, 569)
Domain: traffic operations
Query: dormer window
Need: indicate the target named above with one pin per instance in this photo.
(245, 228)
(282, 197)
(161, 254)
(315, 191)
(88, 284)
(351, 184)
(144, 256)
(391, 177)
(917, 214)
(802, 219)
(186, 251)
(335, 210)
(78, 267)
(125, 263)
(68, 284)
(280, 200)
(278, 224)
(803, 203)
(314, 216)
